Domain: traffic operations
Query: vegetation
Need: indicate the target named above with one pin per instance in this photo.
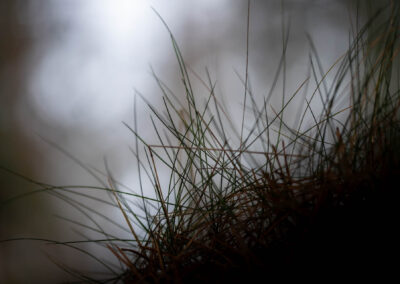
(272, 199)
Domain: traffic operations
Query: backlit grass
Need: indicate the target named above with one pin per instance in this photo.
(268, 198)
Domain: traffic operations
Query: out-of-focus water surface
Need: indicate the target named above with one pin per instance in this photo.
(68, 74)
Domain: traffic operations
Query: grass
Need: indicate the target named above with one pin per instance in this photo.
(269, 199)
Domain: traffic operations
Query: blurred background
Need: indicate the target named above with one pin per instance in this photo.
(68, 74)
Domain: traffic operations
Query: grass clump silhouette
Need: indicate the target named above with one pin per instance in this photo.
(319, 198)
(311, 198)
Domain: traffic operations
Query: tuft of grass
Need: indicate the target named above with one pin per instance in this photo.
(272, 198)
